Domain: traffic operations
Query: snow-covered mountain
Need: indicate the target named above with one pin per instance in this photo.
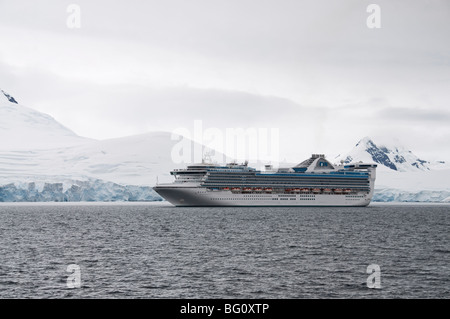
(22, 128)
(401, 175)
(394, 157)
(41, 160)
(121, 165)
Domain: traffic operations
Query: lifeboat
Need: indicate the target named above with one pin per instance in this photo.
(338, 191)
(304, 190)
(226, 188)
(327, 190)
(347, 190)
(297, 190)
(268, 190)
(316, 190)
(258, 189)
(235, 189)
(247, 189)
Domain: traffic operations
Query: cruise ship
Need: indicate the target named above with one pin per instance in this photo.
(314, 182)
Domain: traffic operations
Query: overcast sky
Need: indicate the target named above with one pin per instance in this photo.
(312, 69)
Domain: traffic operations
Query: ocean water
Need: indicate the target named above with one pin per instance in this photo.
(159, 251)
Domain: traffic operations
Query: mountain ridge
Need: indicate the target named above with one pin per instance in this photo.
(396, 158)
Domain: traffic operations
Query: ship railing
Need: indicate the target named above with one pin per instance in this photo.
(305, 191)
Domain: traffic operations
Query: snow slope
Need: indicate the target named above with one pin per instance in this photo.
(134, 160)
(434, 180)
(22, 128)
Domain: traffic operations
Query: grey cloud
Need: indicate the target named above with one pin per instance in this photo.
(305, 66)
(413, 114)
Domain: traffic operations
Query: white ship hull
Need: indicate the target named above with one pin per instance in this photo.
(199, 196)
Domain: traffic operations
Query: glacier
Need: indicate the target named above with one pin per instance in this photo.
(398, 195)
(78, 191)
